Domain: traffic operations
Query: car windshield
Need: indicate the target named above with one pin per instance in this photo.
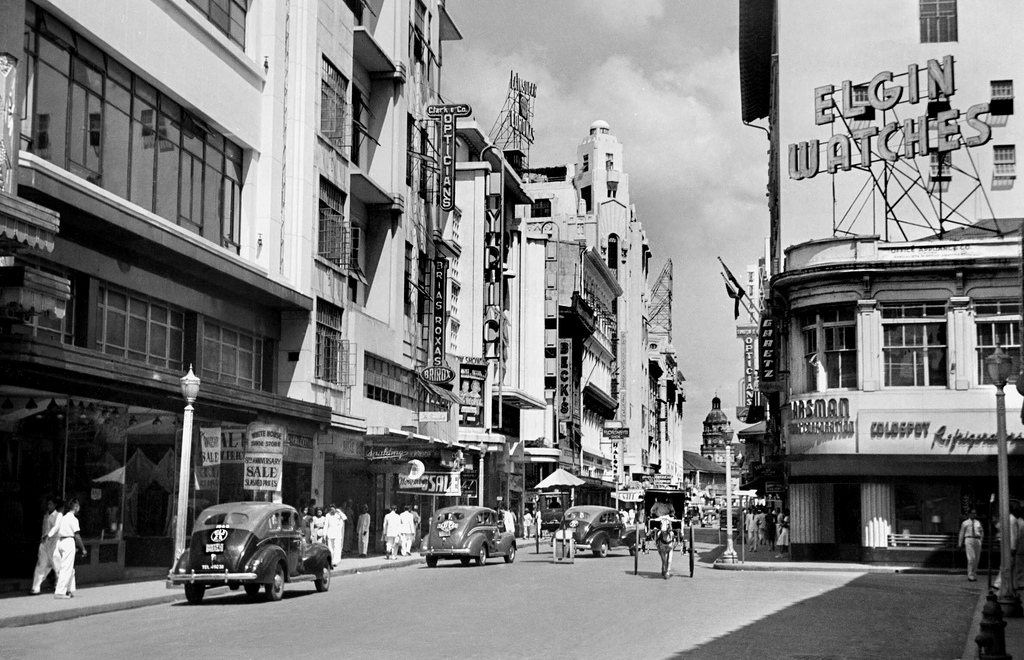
(229, 518)
(577, 515)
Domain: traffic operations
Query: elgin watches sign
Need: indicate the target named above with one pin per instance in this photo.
(913, 136)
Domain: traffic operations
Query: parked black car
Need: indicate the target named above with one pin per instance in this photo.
(597, 528)
(253, 545)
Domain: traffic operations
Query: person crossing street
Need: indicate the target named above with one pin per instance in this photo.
(971, 533)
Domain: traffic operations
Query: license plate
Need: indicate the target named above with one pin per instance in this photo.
(214, 547)
(443, 534)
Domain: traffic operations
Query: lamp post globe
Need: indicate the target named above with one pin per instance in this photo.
(999, 366)
(190, 392)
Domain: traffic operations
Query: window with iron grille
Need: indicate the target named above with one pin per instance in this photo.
(998, 325)
(541, 208)
(423, 287)
(914, 344)
(332, 231)
(408, 284)
(232, 356)
(938, 21)
(1004, 157)
(332, 352)
(140, 328)
(333, 104)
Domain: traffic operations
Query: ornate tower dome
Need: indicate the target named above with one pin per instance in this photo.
(716, 422)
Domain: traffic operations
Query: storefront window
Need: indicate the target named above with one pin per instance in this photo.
(927, 509)
(914, 344)
(997, 324)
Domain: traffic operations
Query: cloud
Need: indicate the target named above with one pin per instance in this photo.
(697, 176)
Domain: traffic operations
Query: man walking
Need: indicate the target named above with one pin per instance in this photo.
(408, 524)
(392, 532)
(47, 543)
(971, 532)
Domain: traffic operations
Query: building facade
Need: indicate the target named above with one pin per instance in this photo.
(893, 169)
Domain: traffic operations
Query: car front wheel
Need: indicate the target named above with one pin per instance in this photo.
(275, 590)
(511, 556)
(194, 593)
(481, 556)
(323, 581)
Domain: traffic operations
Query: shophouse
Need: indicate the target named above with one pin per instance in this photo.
(896, 182)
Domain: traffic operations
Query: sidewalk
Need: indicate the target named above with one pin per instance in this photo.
(96, 599)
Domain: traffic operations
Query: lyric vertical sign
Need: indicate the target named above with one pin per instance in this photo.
(264, 456)
(447, 114)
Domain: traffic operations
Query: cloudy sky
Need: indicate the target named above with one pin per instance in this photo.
(665, 75)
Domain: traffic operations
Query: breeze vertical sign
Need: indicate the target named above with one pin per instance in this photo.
(447, 115)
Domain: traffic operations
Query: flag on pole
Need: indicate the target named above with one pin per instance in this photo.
(733, 288)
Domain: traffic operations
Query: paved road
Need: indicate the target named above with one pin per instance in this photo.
(537, 609)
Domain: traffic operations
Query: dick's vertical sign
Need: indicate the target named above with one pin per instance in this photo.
(769, 349)
(447, 115)
(440, 291)
(565, 388)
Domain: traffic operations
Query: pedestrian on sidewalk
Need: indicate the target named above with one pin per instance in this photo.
(47, 544)
(319, 521)
(348, 536)
(527, 524)
(509, 520)
(783, 543)
(770, 528)
(416, 519)
(408, 529)
(665, 539)
(748, 523)
(971, 533)
(68, 534)
(363, 530)
(392, 532)
(761, 525)
(334, 529)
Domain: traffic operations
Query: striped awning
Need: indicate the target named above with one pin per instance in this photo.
(24, 224)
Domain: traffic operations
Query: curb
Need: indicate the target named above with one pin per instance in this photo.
(970, 646)
(817, 568)
(175, 595)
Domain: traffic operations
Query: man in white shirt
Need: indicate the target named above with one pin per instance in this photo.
(392, 530)
(971, 532)
(408, 523)
(509, 519)
(47, 544)
(334, 529)
(68, 536)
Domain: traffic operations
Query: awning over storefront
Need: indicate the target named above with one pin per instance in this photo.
(24, 224)
(381, 435)
(541, 454)
(755, 432)
(489, 441)
(443, 393)
(600, 401)
(517, 398)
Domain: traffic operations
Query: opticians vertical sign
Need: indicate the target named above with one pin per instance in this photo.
(447, 114)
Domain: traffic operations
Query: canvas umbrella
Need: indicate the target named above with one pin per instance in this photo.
(561, 479)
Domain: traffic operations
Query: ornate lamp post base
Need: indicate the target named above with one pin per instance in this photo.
(730, 557)
(1010, 605)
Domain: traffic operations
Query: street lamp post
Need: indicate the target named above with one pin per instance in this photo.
(729, 556)
(189, 390)
(999, 365)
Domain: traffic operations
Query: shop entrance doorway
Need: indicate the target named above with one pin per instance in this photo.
(847, 515)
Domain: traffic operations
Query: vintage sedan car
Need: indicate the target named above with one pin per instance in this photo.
(468, 533)
(597, 528)
(252, 545)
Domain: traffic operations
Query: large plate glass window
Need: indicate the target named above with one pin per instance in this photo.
(830, 349)
(998, 325)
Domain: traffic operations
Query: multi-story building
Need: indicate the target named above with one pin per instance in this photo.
(899, 128)
(269, 224)
(589, 203)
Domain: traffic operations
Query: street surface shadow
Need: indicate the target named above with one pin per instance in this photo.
(872, 616)
(241, 598)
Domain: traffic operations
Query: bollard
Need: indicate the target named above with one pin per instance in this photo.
(991, 640)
